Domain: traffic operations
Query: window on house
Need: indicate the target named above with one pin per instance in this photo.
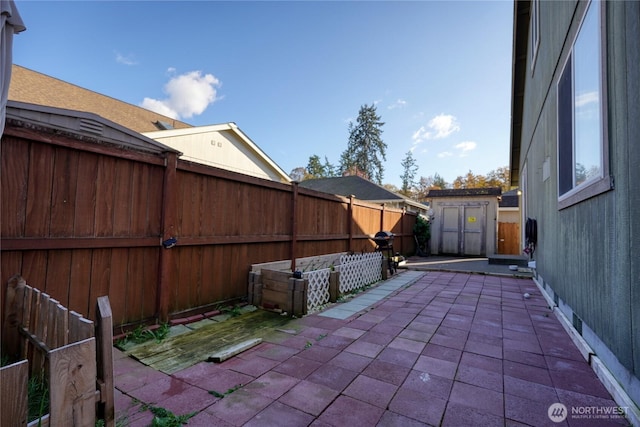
(535, 31)
(583, 169)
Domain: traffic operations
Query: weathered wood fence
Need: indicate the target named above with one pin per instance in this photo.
(73, 357)
(87, 219)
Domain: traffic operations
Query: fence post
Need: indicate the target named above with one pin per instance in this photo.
(350, 225)
(334, 286)
(104, 361)
(294, 224)
(166, 261)
(14, 301)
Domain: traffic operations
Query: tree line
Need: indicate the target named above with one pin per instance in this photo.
(366, 152)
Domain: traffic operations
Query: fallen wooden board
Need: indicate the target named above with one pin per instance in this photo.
(228, 352)
(184, 350)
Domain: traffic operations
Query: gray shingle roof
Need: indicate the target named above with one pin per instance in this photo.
(351, 185)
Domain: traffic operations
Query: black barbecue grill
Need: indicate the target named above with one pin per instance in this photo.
(384, 242)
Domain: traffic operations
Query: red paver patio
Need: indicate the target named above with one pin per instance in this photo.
(447, 349)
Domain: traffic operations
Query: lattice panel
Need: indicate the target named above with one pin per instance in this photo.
(318, 291)
(359, 270)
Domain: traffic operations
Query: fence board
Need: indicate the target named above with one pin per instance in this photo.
(72, 384)
(14, 404)
(13, 186)
(100, 276)
(58, 274)
(105, 196)
(80, 280)
(38, 212)
(63, 195)
(86, 189)
(122, 199)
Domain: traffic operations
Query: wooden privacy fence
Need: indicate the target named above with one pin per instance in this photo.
(88, 219)
(66, 350)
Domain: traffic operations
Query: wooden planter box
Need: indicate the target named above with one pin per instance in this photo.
(278, 291)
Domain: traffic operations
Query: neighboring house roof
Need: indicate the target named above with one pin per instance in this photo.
(37, 88)
(361, 188)
(88, 127)
(224, 146)
(465, 192)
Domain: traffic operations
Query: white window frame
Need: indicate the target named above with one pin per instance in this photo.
(598, 184)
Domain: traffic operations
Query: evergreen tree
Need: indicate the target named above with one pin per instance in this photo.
(366, 150)
(409, 168)
(315, 169)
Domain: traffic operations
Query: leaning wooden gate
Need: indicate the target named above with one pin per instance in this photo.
(73, 355)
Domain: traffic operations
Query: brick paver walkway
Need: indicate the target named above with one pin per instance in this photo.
(447, 349)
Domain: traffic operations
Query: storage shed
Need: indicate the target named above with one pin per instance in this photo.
(464, 221)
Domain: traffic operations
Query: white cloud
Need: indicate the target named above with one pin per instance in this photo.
(126, 60)
(438, 127)
(397, 104)
(444, 154)
(466, 146)
(586, 98)
(444, 125)
(189, 94)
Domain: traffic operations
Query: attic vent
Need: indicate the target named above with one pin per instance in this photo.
(91, 126)
(163, 125)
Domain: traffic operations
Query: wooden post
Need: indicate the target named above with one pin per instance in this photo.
(166, 262)
(350, 225)
(334, 286)
(294, 224)
(104, 361)
(13, 310)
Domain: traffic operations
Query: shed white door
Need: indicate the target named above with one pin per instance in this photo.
(463, 229)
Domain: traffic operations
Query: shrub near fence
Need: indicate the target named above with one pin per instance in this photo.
(99, 229)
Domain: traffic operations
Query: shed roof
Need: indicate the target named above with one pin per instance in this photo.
(89, 127)
(36, 88)
(465, 192)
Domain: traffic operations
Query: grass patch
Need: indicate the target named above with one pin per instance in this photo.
(226, 393)
(37, 397)
(140, 335)
(164, 418)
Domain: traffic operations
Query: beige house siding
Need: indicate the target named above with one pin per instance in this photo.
(224, 146)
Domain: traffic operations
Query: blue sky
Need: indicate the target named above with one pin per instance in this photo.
(293, 74)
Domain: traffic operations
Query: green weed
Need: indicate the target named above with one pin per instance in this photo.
(165, 418)
(226, 393)
(140, 335)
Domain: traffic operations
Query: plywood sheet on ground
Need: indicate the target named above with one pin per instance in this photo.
(188, 348)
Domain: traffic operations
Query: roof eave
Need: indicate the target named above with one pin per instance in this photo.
(521, 11)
